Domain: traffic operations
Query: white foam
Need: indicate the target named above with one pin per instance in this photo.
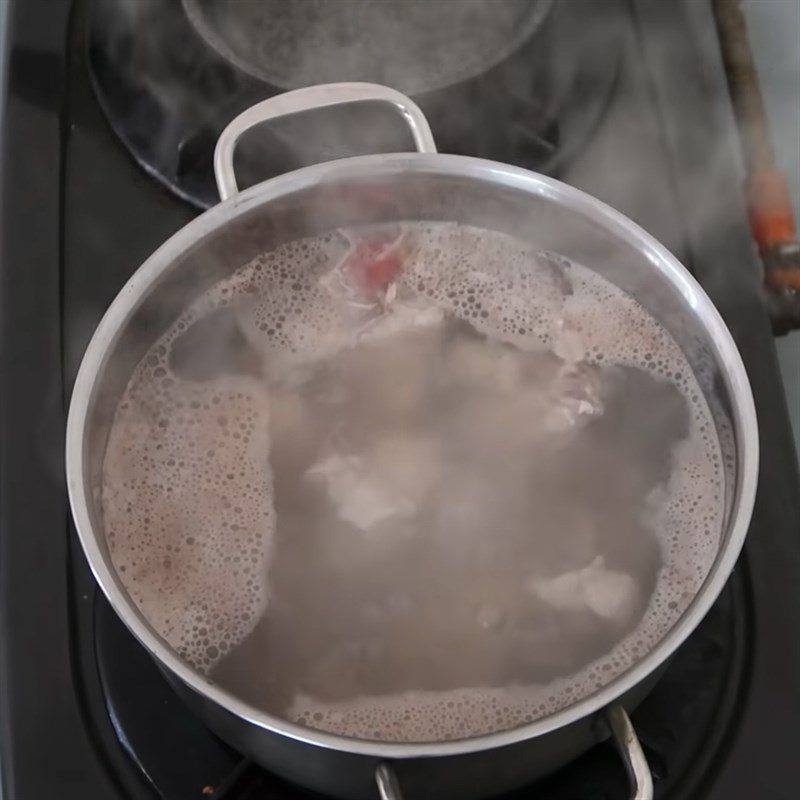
(188, 508)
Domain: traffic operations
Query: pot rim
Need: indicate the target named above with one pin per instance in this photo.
(148, 274)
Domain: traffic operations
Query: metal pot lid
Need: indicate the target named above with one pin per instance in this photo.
(413, 45)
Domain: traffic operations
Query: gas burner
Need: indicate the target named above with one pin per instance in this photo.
(681, 724)
(532, 95)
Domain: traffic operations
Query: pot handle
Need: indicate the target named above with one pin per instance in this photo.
(312, 97)
(388, 787)
(641, 781)
(630, 749)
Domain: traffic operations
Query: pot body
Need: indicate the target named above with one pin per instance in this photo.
(391, 188)
(474, 775)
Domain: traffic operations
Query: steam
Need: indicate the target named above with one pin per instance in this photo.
(538, 119)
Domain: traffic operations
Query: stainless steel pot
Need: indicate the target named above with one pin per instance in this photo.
(380, 188)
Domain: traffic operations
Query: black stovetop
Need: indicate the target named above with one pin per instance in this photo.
(84, 712)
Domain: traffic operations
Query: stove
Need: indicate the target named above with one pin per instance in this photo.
(625, 99)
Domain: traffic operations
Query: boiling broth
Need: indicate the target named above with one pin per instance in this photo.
(445, 506)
